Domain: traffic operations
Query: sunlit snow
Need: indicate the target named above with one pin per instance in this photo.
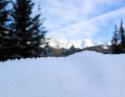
(86, 74)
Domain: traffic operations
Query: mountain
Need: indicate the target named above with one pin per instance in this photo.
(66, 44)
(59, 48)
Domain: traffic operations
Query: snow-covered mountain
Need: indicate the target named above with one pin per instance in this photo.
(68, 43)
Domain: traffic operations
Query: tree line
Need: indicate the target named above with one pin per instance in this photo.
(22, 34)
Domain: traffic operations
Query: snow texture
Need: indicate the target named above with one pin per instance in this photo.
(86, 74)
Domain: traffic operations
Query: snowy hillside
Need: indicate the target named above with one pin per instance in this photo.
(86, 74)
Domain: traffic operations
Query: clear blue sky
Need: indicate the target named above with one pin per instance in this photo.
(82, 19)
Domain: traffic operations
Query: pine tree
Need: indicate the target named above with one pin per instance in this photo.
(122, 34)
(118, 41)
(3, 14)
(115, 36)
(115, 40)
(5, 32)
(27, 28)
(38, 33)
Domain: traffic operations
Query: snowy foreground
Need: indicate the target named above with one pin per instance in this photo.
(85, 74)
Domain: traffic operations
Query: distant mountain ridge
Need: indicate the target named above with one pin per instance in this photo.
(63, 48)
(69, 43)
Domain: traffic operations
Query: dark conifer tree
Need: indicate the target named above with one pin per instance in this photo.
(122, 34)
(115, 40)
(38, 35)
(3, 14)
(5, 32)
(115, 37)
(27, 28)
(118, 41)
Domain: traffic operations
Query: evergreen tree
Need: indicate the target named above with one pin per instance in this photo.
(115, 40)
(118, 41)
(3, 14)
(37, 38)
(115, 37)
(27, 29)
(122, 34)
(5, 32)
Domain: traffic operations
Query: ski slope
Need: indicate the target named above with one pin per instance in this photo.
(86, 74)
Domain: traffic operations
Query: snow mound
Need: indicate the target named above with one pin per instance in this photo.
(86, 74)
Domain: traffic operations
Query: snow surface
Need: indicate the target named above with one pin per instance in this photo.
(86, 74)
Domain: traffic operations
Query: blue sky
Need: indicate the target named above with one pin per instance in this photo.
(82, 19)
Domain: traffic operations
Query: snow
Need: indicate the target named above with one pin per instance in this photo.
(86, 74)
